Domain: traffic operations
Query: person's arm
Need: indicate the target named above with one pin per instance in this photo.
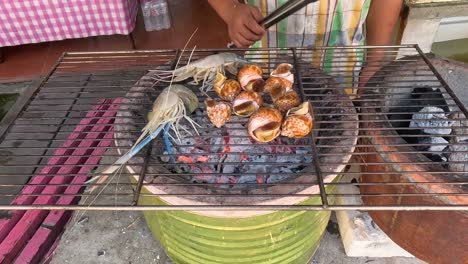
(242, 21)
(380, 24)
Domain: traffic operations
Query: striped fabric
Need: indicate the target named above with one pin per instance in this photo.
(323, 23)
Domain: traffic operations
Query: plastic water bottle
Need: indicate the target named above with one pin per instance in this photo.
(156, 14)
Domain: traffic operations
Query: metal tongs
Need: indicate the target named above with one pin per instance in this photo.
(281, 13)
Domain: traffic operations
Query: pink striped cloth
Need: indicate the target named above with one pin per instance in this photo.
(33, 21)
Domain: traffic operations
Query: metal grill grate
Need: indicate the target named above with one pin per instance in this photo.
(362, 153)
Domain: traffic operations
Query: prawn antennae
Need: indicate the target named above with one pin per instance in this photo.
(165, 75)
(178, 61)
(168, 111)
(138, 146)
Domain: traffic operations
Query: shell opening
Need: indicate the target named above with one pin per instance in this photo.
(299, 110)
(276, 91)
(256, 85)
(267, 132)
(283, 68)
(210, 102)
(219, 81)
(245, 109)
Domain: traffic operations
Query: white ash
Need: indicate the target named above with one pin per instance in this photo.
(247, 179)
(460, 127)
(232, 144)
(441, 136)
(433, 144)
(432, 120)
(459, 158)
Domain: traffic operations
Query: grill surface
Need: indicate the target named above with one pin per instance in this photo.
(70, 118)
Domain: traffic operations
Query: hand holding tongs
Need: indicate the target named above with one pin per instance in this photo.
(281, 13)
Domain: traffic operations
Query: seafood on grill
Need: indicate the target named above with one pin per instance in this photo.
(172, 105)
(265, 124)
(218, 112)
(276, 86)
(284, 71)
(298, 122)
(227, 89)
(246, 103)
(203, 70)
(287, 100)
(250, 78)
(281, 80)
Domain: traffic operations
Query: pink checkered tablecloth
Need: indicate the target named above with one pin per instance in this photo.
(33, 21)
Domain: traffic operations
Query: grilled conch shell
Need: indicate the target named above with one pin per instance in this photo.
(226, 89)
(277, 86)
(287, 101)
(218, 112)
(265, 124)
(246, 103)
(298, 122)
(284, 71)
(219, 81)
(250, 78)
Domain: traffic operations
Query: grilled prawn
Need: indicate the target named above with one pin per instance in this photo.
(203, 70)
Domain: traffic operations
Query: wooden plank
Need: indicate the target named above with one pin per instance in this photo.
(7, 224)
(54, 223)
(25, 227)
(40, 243)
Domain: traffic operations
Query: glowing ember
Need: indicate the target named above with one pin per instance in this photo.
(228, 156)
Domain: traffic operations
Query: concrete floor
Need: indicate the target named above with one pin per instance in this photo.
(123, 238)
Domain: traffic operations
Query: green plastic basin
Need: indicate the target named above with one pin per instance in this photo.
(277, 237)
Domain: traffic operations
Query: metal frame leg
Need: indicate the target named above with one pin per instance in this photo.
(132, 40)
(2, 55)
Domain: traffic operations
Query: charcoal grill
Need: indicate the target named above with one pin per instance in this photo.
(57, 133)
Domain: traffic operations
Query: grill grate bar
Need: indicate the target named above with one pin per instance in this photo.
(315, 161)
(246, 184)
(236, 208)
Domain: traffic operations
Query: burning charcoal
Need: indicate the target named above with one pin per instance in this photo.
(165, 157)
(429, 120)
(403, 124)
(229, 168)
(232, 144)
(459, 158)
(433, 144)
(424, 96)
(460, 127)
(200, 178)
(203, 179)
(277, 178)
(247, 179)
(182, 169)
(427, 96)
(437, 157)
